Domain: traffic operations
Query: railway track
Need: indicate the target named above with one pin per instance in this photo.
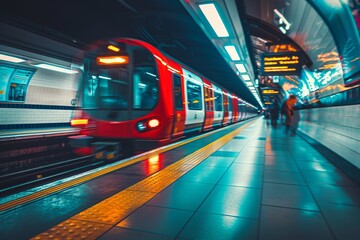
(30, 162)
(29, 178)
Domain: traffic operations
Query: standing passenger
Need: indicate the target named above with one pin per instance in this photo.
(274, 113)
(288, 110)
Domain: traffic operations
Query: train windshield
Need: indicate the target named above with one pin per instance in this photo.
(107, 88)
(112, 92)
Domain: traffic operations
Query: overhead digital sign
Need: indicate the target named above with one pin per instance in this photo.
(270, 91)
(275, 64)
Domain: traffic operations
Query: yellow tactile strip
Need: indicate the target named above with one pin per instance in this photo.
(115, 208)
(112, 210)
(73, 229)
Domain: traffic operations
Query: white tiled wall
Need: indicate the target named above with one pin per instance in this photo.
(45, 88)
(52, 88)
(337, 128)
(49, 96)
(53, 79)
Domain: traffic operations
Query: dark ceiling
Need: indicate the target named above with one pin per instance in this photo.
(163, 23)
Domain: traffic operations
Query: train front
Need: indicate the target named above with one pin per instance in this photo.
(121, 101)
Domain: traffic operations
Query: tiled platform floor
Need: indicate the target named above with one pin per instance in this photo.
(263, 184)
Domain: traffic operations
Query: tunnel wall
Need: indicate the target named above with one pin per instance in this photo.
(49, 94)
(336, 128)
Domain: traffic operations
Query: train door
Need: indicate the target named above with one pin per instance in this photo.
(230, 102)
(218, 108)
(179, 110)
(240, 109)
(245, 107)
(226, 108)
(235, 109)
(194, 93)
(209, 105)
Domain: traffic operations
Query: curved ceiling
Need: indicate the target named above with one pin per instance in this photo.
(164, 24)
(169, 26)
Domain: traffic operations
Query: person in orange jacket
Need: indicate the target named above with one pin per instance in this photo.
(288, 110)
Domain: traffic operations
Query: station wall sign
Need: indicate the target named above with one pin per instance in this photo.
(275, 64)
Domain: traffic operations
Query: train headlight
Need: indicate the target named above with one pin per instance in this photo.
(153, 123)
(148, 124)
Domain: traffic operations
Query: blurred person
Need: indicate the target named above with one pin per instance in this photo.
(288, 111)
(274, 113)
(266, 114)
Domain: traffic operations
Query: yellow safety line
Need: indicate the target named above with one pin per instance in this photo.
(98, 219)
(37, 195)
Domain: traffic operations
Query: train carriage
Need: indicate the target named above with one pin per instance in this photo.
(132, 95)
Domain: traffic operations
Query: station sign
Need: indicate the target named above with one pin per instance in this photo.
(275, 64)
(270, 91)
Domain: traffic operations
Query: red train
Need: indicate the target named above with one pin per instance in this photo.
(133, 95)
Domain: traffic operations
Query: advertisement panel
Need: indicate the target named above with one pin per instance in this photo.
(13, 83)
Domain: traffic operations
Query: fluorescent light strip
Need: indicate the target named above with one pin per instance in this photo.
(103, 77)
(282, 30)
(240, 67)
(231, 50)
(11, 59)
(213, 17)
(55, 68)
(282, 18)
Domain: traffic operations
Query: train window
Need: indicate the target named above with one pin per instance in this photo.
(106, 88)
(146, 82)
(178, 92)
(114, 87)
(194, 96)
(218, 101)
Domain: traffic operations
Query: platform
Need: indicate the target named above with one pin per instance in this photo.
(248, 181)
(27, 133)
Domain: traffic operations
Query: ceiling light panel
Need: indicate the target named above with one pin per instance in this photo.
(231, 50)
(213, 17)
(55, 68)
(11, 59)
(245, 77)
(240, 67)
